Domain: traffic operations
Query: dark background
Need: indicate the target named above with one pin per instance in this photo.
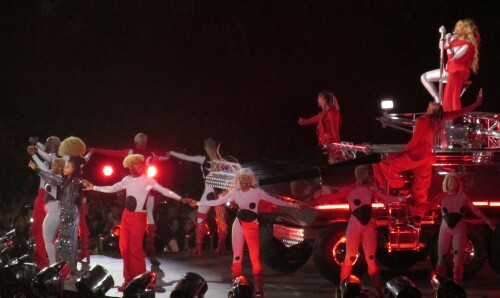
(239, 71)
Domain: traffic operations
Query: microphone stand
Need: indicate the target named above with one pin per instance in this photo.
(442, 30)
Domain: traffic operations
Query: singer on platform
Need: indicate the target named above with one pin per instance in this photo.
(462, 48)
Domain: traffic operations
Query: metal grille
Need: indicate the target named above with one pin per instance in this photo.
(287, 235)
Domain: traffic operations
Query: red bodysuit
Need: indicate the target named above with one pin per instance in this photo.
(460, 55)
(329, 122)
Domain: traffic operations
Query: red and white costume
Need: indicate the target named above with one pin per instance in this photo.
(150, 202)
(52, 207)
(134, 220)
(453, 230)
(360, 229)
(329, 122)
(246, 228)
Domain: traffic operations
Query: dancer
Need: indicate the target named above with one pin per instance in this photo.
(360, 229)
(48, 152)
(134, 217)
(454, 202)
(246, 226)
(70, 195)
(209, 193)
(141, 147)
(39, 213)
(328, 120)
(418, 155)
(52, 219)
(463, 54)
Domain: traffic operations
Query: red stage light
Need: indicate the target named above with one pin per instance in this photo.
(107, 171)
(152, 171)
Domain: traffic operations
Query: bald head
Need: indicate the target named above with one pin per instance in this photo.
(141, 141)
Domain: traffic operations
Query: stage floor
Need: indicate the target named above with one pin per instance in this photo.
(304, 282)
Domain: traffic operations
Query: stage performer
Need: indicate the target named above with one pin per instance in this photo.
(462, 50)
(39, 213)
(48, 152)
(361, 228)
(209, 194)
(141, 147)
(418, 155)
(52, 219)
(134, 218)
(70, 195)
(246, 226)
(453, 231)
(328, 120)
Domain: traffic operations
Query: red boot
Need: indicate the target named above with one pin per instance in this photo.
(200, 234)
(236, 269)
(150, 240)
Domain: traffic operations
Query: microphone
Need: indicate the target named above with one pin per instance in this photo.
(442, 30)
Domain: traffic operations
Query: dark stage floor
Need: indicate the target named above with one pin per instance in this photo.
(305, 282)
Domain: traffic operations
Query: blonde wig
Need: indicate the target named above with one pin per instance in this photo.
(130, 159)
(245, 172)
(458, 181)
(72, 146)
(472, 34)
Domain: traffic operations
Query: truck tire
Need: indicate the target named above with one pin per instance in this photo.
(279, 257)
(329, 253)
(398, 261)
(475, 253)
(494, 256)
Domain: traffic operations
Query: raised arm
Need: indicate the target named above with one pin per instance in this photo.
(196, 158)
(477, 212)
(312, 120)
(53, 179)
(331, 198)
(110, 152)
(165, 191)
(46, 156)
(268, 198)
(109, 189)
(39, 163)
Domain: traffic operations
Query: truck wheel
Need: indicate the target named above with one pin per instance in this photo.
(279, 257)
(475, 253)
(329, 253)
(399, 261)
(494, 256)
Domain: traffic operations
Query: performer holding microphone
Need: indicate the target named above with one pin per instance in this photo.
(462, 48)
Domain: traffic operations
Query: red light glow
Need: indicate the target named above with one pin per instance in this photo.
(152, 171)
(107, 171)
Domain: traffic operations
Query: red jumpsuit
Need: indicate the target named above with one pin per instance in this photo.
(134, 220)
(329, 122)
(460, 54)
(417, 156)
